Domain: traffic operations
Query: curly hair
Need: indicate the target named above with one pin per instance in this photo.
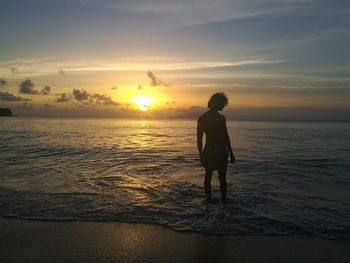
(218, 101)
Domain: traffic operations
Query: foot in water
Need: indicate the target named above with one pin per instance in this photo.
(212, 201)
(215, 202)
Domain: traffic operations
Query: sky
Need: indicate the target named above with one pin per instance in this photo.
(275, 59)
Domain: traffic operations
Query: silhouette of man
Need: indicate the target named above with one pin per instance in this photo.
(217, 147)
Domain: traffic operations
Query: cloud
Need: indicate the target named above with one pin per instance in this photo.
(46, 90)
(155, 81)
(139, 87)
(10, 97)
(192, 112)
(61, 72)
(26, 105)
(102, 99)
(3, 83)
(64, 98)
(192, 12)
(27, 87)
(114, 88)
(80, 95)
(14, 70)
(87, 98)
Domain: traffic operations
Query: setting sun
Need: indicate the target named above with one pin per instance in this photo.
(143, 102)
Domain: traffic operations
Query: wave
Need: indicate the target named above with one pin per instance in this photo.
(181, 207)
(286, 180)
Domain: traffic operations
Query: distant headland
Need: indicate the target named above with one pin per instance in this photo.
(5, 112)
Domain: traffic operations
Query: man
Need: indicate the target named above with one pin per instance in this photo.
(217, 147)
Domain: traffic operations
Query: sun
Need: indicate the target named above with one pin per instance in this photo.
(143, 102)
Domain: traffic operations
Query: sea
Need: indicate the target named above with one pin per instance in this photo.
(288, 178)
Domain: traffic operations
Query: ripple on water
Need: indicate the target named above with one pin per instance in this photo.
(286, 179)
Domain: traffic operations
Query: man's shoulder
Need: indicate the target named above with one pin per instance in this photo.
(208, 115)
(222, 116)
(203, 116)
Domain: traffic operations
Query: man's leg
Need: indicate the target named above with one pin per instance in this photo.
(223, 185)
(207, 183)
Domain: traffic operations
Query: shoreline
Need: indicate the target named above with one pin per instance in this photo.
(283, 120)
(76, 241)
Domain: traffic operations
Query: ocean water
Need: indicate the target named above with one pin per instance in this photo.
(289, 177)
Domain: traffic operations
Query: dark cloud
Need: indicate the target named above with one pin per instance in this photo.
(191, 112)
(14, 70)
(102, 99)
(114, 88)
(64, 98)
(46, 90)
(10, 97)
(3, 83)
(139, 87)
(80, 95)
(61, 72)
(88, 99)
(27, 87)
(155, 81)
(26, 105)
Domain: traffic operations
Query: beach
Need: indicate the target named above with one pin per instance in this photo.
(65, 200)
(47, 241)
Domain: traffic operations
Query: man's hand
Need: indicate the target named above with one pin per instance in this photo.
(232, 158)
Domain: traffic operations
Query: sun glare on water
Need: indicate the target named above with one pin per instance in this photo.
(143, 102)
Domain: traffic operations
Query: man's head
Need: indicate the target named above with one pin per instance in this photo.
(218, 101)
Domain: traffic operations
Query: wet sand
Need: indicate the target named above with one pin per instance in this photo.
(44, 241)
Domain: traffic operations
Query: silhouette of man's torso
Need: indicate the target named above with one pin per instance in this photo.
(214, 126)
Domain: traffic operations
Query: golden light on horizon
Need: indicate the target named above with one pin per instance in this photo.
(144, 102)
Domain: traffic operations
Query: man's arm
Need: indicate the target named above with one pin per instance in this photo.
(228, 144)
(199, 138)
